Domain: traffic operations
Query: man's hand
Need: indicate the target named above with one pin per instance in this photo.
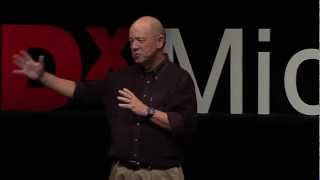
(28, 66)
(130, 101)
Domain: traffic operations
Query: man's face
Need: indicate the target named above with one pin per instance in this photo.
(143, 43)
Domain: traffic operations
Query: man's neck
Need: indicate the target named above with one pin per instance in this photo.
(152, 64)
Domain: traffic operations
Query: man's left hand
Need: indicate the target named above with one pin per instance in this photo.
(130, 101)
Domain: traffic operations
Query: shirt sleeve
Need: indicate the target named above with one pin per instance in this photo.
(90, 93)
(182, 108)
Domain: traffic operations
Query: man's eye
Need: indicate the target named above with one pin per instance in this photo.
(139, 40)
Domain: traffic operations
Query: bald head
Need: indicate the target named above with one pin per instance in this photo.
(148, 24)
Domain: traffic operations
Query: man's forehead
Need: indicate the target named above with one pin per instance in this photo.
(139, 33)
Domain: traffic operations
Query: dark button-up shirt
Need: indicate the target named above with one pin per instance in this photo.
(168, 88)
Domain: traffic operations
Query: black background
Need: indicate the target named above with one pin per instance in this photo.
(71, 142)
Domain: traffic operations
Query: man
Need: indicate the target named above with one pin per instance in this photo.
(149, 105)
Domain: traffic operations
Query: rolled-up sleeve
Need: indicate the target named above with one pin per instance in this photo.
(182, 107)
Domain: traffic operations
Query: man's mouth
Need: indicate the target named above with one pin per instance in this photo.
(136, 55)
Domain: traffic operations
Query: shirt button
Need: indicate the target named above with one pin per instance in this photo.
(156, 77)
(138, 124)
(136, 139)
(148, 82)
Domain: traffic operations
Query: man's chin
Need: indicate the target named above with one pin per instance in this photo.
(139, 61)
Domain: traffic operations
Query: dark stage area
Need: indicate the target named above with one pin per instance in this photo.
(73, 145)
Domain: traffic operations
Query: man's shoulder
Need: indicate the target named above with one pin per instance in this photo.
(178, 70)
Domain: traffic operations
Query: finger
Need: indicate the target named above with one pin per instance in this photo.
(125, 94)
(126, 106)
(26, 55)
(19, 62)
(18, 71)
(17, 56)
(123, 99)
(129, 92)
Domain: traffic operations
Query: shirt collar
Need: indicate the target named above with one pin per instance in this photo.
(157, 69)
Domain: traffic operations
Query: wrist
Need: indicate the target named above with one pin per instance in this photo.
(150, 112)
(41, 74)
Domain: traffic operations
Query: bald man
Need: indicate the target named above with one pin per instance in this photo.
(149, 105)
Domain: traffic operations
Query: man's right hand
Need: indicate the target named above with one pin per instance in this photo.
(27, 66)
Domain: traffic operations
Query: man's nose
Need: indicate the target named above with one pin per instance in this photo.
(134, 48)
(134, 45)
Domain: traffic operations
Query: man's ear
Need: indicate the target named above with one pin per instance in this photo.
(161, 41)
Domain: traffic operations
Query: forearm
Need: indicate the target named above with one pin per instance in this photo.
(62, 86)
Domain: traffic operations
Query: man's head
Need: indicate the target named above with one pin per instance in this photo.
(147, 39)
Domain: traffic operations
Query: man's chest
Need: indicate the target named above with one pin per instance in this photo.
(151, 91)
